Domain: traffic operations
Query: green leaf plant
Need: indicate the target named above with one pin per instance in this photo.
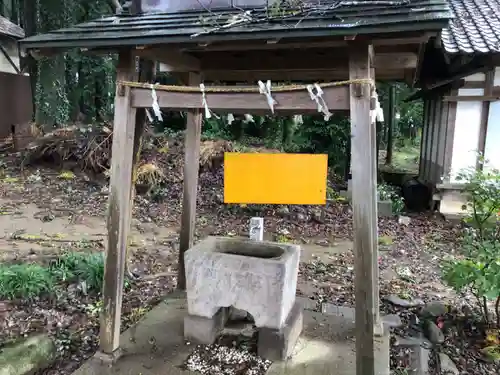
(477, 268)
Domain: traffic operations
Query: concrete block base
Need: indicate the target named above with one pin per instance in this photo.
(203, 330)
(107, 359)
(278, 345)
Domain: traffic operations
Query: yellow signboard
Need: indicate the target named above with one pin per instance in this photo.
(275, 178)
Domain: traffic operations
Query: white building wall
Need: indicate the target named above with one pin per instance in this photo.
(466, 137)
(467, 129)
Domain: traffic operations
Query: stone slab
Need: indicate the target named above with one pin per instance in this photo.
(156, 345)
(258, 277)
(203, 330)
(384, 209)
(276, 345)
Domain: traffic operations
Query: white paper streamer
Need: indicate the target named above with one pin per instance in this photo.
(376, 114)
(298, 119)
(230, 118)
(265, 89)
(320, 101)
(208, 114)
(155, 105)
(248, 118)
(148, 115)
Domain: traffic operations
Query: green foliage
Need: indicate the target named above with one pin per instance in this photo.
(91, 271)
(477, 269)
(389, 193)
(482, 189)
(24, 281)
(86, 268)
(74, 85)
(27, 281)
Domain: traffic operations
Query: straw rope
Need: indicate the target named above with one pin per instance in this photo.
(239, 89)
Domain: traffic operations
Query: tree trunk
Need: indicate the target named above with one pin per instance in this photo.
(390, 124)
(28, 22)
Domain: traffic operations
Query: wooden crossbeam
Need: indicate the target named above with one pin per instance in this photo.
(337, 99)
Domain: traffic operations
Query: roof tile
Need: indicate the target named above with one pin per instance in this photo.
(475, 27)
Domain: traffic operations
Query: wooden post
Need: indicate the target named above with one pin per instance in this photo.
(390, 124)
(119, 207)
(363, 203)
(191, 167)
(485, 114)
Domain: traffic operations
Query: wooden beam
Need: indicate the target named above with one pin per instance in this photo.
(191, 167)
(472, 98)
(313, 59)
(485, 114)
(289, 75)
(283, 44)
(171, 58)
(337, 99)
(363, 196)
(119, 207)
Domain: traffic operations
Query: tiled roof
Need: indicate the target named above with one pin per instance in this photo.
(475, 28)
(8, 28)
(345, 18)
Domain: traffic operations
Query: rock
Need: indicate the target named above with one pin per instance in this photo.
(324, 243)
(404, 220)
(28, 356)
(408, 342)
(433, 332)
(392, 321)
(283, 211)
(4, 306)
(419, 361)
(434, 309)
(301, 217)
(448, 367)
(395, 300)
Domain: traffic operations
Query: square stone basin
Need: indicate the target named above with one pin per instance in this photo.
(256, 276)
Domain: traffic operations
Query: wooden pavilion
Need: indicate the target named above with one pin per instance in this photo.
(460, 81)
(319, 41)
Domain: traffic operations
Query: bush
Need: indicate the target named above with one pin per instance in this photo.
(27, 281)
(91, 272)
(477, 269)
(24, 281)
